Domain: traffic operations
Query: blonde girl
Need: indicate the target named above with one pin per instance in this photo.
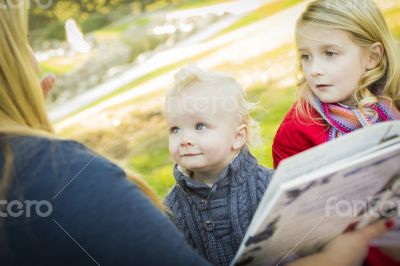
(349, 78)
(349, 65)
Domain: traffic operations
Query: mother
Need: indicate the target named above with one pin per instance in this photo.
(62, 204)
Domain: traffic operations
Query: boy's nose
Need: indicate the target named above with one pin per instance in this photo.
(185, 140)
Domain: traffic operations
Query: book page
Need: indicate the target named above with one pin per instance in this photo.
(305, 213)
(338, 149)
(362, 141)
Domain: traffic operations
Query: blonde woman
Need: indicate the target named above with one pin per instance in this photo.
(61, 204)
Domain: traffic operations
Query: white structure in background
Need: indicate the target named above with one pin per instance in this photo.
(75, 37)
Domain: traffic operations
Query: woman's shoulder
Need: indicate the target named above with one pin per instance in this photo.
(50, 150)
(52, 163)
(31, 146)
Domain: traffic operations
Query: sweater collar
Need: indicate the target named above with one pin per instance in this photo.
(233, 174)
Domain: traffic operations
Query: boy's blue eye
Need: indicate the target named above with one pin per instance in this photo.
(174, 130)
(304, 57)
(200, 126)
(330, 53)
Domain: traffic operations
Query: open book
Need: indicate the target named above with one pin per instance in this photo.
(318, 194)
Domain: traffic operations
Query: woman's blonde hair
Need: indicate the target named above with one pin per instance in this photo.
(22, 105)
(191, 74)
(366, 25)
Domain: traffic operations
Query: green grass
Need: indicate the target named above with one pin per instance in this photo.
(392, 17)
(156, 167)
(261, 13)
(121, 26)
(273, 105)
(200, 3)
(58, 69)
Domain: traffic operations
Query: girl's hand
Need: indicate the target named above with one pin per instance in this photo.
(347, 249)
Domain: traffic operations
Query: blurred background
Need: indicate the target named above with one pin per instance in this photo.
(114, 59)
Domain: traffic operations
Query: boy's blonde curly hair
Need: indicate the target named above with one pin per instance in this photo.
(191, 74)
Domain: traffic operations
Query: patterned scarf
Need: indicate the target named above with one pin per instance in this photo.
(344, 119)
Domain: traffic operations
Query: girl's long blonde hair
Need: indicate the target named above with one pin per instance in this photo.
(366, 24)
(22, 104)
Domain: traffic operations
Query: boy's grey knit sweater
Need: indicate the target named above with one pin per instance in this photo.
(214, 220)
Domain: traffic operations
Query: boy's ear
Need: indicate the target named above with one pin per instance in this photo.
(241, 135)
(375, 55)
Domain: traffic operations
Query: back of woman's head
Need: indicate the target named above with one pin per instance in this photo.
(366, 25)
(22, 106)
